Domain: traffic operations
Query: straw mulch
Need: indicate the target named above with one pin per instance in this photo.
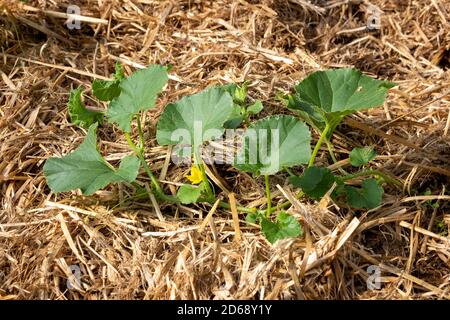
(134, 249)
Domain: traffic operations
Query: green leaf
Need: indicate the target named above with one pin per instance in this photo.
(286, 226)
(86, 169)
(342, 90)
(138, 93)
(235, 118)
(195, 119)
(256, 108)
(254, 217)
(118, 72)
(240, 94)
(331, 94)
(274, 143)
(361, 156)
(189, 194)
(315, 182)
(78, 113)
(367, 197)
(106, 90)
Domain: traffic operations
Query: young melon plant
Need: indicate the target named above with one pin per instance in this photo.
(268, 146)
(323, 99)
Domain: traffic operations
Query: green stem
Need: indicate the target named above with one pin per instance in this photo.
(269, 198)
(370, 172)
(319, 144)
(333, 156)
(226, 205)
(289, 171)
(155, 183)
(141, 134)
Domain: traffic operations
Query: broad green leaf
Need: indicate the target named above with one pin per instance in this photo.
(256, 107)
(86, 169)
(78, 113)
(327, 96)
(107, 90)
(362, 156)
(286, 226)
(195, 119)
(189, 194)
(138, 93)
(342, 90)
(315, 182)
(311, 115)
(367, 197)
(274, 143)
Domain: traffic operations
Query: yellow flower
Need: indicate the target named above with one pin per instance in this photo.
(196, 176)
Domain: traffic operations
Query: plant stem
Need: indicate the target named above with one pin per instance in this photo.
(141, 134)
(289, 171)
(226, 205)
(319, 144)
(269, 198)
(333, 156)
(370, 172)
(155, 183)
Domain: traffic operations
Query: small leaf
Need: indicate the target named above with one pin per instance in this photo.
(118, 72)
(286, 226)
(105, 90)
(256, 107)
(235, 118)
(273, 143)
(254, 217)
(78, 113)
(367, 197)
(240, 94)
(189, 194)
(86, 169)
(315, 182)
(361, 156)
(195, 119)
(138, 93)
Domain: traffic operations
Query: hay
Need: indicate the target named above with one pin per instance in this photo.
(128, 249)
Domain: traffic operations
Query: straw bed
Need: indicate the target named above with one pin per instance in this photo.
(133, 249)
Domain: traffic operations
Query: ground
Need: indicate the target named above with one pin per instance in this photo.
(122, 249)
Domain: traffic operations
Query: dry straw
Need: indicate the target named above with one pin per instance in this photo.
(137, 249)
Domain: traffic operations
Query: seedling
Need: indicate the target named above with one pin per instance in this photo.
(241, 111)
